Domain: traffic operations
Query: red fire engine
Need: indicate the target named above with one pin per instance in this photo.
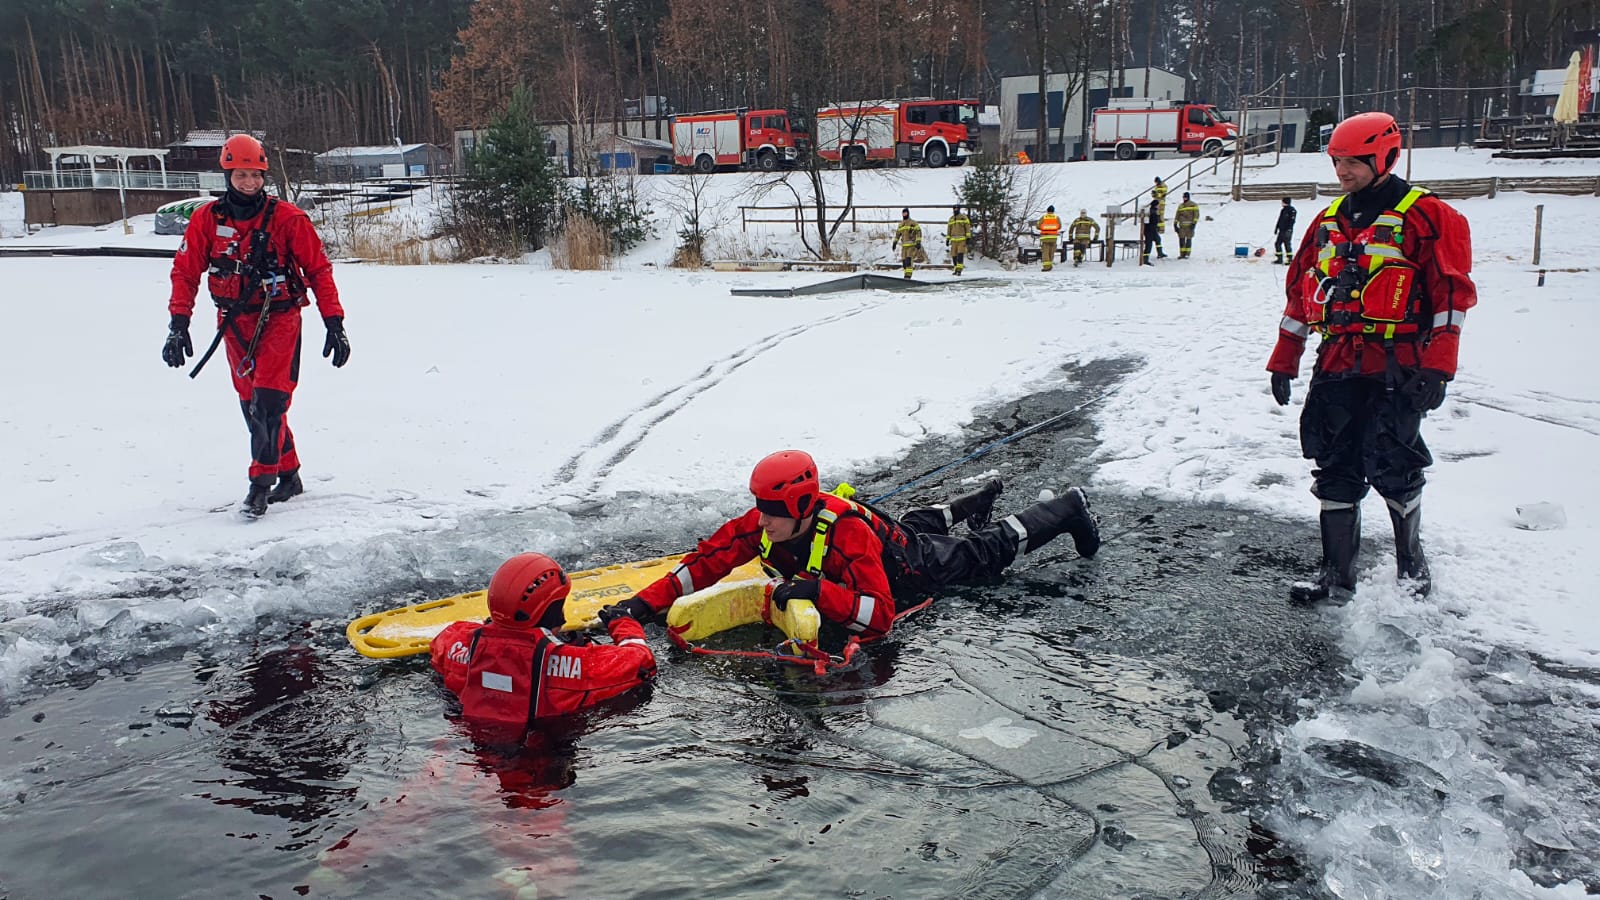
(1133, 127)
(933, 132)
(737, 138)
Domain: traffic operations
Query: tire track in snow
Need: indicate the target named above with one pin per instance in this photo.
(617, 441)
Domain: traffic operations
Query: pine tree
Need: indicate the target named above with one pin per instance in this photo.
(512, 187)
(988, 190)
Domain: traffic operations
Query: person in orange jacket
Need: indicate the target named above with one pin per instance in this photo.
(259, 256)
(858, 564)
(1049, 234)
(1384, 276)
(519, 667)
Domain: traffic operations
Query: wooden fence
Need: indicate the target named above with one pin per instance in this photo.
(1448, 188)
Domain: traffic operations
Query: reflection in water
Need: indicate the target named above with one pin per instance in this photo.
(280, 735)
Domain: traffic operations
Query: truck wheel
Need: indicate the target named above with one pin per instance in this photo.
(935, 157)
(767, 161)
(1125, 152)
(1209, 147)
(704, 164)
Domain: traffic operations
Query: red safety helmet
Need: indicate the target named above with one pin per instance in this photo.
(786, 484)
(244, 152)
(524, 588)
(1373, 134)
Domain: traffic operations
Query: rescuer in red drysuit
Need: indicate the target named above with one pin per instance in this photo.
(856, 563)
(1383, 274)
(518, 668)
(259, 255)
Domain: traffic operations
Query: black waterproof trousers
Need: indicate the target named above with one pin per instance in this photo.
(1362, 434)
(937, 559)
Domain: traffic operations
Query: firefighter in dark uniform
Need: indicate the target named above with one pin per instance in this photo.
(1184, 222)
(1159, 194)
(956, 233)
(1152, 233)
(1283, 233)
(855, 562)
(909, 237)
(259, 255)
(1082, 232)
(1383, 275)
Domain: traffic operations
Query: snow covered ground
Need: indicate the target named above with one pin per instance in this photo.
(484, 403)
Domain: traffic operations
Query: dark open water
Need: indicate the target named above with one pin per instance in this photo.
(1075, 731)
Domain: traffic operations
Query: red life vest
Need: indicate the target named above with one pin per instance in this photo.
(1364, 285)
(502, 675)
(889, 533)
(231, 252)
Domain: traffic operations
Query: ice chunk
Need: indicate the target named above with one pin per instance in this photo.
(1541, 516)
(1549, 833)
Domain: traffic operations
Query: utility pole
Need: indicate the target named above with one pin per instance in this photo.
(1341, 85)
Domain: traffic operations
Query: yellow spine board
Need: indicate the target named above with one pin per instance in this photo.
(407, 630)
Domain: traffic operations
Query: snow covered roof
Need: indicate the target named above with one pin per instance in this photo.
(376, 150)
(91, 151)
(637, 143)
(213, 137)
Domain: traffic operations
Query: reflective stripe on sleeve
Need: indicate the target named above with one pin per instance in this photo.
(685, 580)
(639, 641)
(1454, 317)
(1294, 326)
(865, 607)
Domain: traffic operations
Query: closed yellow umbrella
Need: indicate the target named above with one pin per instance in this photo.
(1566, 112)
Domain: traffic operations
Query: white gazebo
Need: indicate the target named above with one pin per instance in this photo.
(120, 155)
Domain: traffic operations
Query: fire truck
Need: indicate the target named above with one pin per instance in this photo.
(1133, 128)
(933, 132)
(762, 139)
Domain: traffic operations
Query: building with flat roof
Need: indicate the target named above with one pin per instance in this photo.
(1067, 115)
(382, 161)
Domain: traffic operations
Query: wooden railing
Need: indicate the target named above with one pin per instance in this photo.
(1448, 188)
(800, 216)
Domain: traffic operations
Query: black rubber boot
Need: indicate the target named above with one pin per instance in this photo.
(288, 486)
(1069, 513)
(1409, 561)
(1341, 538)
(255, 502)
(974, 508)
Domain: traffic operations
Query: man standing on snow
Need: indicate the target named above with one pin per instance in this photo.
(956, 232)
(260, 255)
(1081, 232)
(856, 563)
(1283, 233)
(1049, 234)
(909, 237)
(1183, 223)
(1383, 275)
(1159, 193)
(1152, 233)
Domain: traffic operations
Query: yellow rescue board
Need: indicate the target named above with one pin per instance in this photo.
(406, 631)
(700, 615)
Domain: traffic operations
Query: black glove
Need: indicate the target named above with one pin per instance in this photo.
(1425, 390)
(336, 344)
(804, 589)
(1280, 388)
(633, 608)
(177, 348)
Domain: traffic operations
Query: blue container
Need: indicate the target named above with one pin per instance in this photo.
(1241, 250)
